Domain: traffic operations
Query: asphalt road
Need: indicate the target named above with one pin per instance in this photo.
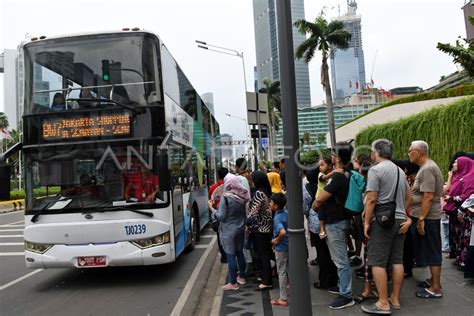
(152, 290)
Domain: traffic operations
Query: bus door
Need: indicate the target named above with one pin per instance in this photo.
(177, 182)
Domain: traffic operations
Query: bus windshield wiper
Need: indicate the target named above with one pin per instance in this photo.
(116, 209)
(135, 110)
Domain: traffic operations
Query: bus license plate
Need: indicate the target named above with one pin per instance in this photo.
(98, 261)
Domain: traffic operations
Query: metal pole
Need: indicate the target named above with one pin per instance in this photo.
(259, 128)
(300, 290)
(241, 55)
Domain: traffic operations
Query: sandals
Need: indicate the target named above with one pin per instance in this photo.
(277, 302)
(361, 298)
(394, 306)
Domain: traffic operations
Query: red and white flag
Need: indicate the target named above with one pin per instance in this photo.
(5, 134)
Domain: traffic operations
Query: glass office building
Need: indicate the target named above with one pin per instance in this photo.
(266, 44)
(348, 66)
(314, 121)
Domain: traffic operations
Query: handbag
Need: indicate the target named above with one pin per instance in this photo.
(385, 212)
(214, 220)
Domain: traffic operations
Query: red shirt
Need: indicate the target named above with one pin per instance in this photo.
(142, 187)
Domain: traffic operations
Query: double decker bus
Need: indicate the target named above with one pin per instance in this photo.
(118, 148)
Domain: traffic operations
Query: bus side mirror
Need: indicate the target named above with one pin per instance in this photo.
(163, 170)
(5, 174)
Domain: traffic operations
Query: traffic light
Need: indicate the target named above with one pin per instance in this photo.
(105, 70)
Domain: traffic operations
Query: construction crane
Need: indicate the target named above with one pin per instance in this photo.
(373, 66)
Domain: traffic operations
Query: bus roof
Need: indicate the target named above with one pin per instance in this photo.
(35, 39)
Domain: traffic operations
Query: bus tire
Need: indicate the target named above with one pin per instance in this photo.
(192, 232)
(198, 224)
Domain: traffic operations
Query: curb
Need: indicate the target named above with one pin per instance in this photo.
(11, 206)
(216, 305)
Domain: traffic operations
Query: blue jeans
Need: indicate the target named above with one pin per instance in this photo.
(337, 244)
(232, 264)
(445, 235)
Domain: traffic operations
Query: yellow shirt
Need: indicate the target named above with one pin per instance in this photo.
(275, 182)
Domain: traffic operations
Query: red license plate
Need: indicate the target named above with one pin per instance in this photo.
(98, 261)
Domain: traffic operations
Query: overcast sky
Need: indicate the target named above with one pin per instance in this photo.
(404, 32)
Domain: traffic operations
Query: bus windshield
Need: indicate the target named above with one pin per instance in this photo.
(70, 74)
(91, 177)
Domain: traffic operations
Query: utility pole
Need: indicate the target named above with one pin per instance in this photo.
(300, 291)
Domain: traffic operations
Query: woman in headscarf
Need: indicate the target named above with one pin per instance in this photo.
(231, 216)
(260, 224)
(462, 186)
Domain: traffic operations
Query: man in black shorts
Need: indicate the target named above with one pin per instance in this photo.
(385, 243)
(426, 215)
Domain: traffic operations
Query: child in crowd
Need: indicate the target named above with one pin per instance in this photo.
(325, 172)
(280, 245)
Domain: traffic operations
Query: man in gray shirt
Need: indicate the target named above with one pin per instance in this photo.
(385, 243)
(426, 214)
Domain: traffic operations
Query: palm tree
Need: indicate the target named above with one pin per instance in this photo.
(462, 53)
(272, 89)
(325, 37)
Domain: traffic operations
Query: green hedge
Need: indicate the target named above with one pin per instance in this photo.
(447, 93)
(15, 195)
(447, 129)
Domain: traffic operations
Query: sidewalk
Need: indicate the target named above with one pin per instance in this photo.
(458, 296)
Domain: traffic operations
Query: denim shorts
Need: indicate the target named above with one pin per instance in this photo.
(427, 248)
(385, 244)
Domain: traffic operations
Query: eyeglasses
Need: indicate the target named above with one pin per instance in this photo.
(410, 150)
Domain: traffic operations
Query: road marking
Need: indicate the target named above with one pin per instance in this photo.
(11, 243)
(8, 254)
(11, 230)
(201, 246)
(10, 236)
(3, 287)
(9, 213)
(8, 225)
(178, 308)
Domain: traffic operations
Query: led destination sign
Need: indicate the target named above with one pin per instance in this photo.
(102, 125)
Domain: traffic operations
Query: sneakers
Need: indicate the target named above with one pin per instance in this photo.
(342, 302)
(231, 287)
(241, 281)
(334, 290)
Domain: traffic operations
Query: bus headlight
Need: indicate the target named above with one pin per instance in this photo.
(38, 248)
(153, 241)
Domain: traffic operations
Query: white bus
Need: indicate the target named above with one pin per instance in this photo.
(118, 149)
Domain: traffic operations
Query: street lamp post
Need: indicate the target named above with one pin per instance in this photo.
(227, 51)
(233, 52)
(246, 132)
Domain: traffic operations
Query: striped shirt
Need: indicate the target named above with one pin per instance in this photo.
(260, 216)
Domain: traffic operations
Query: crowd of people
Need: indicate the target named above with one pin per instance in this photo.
(372, 215)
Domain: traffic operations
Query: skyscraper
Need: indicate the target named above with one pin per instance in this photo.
(348, 66)
(266, 43)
